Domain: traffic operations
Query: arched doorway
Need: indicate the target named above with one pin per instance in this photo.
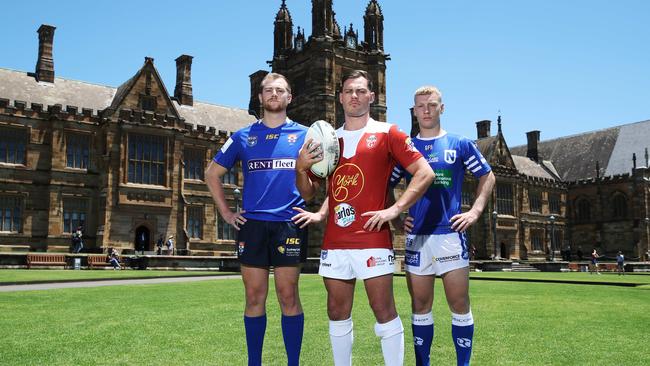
(505, 253)
(142, 239)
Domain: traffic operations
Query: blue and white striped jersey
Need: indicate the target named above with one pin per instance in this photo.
(448, 155)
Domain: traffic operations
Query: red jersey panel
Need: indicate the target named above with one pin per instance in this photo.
(360, 182)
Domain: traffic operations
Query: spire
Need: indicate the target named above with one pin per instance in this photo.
(322, 18)
(499, 124)
(373, 26)
(337, 27)
(283, 31)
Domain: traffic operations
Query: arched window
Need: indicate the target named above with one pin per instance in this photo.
(619, 203)
(583, 209)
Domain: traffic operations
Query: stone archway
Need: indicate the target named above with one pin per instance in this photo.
(142, 240)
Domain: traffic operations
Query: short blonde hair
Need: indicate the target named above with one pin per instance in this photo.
(428, 90)
(272, 76)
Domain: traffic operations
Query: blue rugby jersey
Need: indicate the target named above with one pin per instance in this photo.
(268, 157)
(448, 155)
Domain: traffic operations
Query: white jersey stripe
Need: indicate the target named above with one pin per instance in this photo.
(472, 164)
(477, 169)
(470, 159)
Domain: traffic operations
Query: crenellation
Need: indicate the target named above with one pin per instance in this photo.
(125, 114)
(87, 112)
(36, 107)
(212, 130)
(136, 116)
(20, 105)
(159, 119)
(188, 126)
(4, 102)
(54, 109)
(201, 128)
(148, 117)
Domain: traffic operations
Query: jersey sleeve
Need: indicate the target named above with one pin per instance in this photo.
(229, 152)
(396, 176)
(402, 148)
(473, 160)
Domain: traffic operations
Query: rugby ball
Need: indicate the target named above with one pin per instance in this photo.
(323, 132)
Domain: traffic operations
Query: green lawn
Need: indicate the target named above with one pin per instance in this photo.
(638, 278)
(31, 275)
(200, 323)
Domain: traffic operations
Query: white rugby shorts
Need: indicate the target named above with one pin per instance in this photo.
(346, 264)
(435, 254)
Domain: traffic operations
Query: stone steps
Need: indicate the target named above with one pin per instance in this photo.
(519, 267)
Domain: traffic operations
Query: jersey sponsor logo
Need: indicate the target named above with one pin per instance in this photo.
(292, 138)
(344, 215)
(432, 157)
(412, 258)
(464, 342)
(241, 247)
(410, 144)
(251, 141)
(371, 141)
(292, 241)
(450, 156)
(443, 179)
(418, 341)
(409, 241)
(271, 164)
(375, 261)
(449, 258)
(272, 136)
(323, 254)
(289, 251)
(347, 182)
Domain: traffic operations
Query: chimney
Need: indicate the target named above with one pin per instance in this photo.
(45, 63)
(483, 129)
(533, 139)
(183, 89)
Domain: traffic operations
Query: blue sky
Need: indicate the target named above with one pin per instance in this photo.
(562, 67)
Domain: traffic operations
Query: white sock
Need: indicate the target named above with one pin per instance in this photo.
(392, 341)
(342, 337)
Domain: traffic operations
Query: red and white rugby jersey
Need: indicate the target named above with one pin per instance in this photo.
(360, 182)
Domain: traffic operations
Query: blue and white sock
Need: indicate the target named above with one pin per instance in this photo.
(292, 329)
(255, 329)
(422, 325)
(462, 331)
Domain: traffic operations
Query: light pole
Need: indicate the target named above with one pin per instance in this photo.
(552, 218)
(647, 241)
(494, 232)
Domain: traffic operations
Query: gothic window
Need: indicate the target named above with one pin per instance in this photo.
(194, 164)
(535, 200)
(583, 210)
(74, 214)
(77, 150)
(537, 239)
(554, 203)
(619, 203)
(224, 230)
(504, 199)
(231, 176)
(12, 145)
(11, 213)
(146, 159)
(195, 222)
(148, 102)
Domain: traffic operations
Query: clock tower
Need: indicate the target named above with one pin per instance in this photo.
(315, 65)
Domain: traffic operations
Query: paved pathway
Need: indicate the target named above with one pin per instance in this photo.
(52, 286)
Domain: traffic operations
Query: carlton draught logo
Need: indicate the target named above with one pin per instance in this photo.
(347, 182)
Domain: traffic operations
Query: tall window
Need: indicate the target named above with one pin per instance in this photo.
(504, 199)
(77, 150)
(535, 200)
(12, 145)
(146, 159)
(224, 230)
(74, 214)
(583, 210)
(554, 203)
(11, 213)
(537, 239)
(231, 176)
(620, 206)
(194, 164)
(195, 222)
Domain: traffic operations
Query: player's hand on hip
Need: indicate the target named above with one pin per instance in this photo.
(379, 218)
(304, 218)
(235, 219)
(310, 154)
(408, 225)
(463, 221)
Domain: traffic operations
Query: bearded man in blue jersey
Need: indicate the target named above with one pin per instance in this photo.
(435, 227)
(267, 237)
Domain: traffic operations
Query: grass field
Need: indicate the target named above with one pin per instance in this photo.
(34, 275)
(200, 323)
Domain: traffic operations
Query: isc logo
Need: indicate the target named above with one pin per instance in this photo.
(273, 136)
(293, 241)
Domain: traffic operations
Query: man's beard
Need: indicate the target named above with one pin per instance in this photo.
(274, 108)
